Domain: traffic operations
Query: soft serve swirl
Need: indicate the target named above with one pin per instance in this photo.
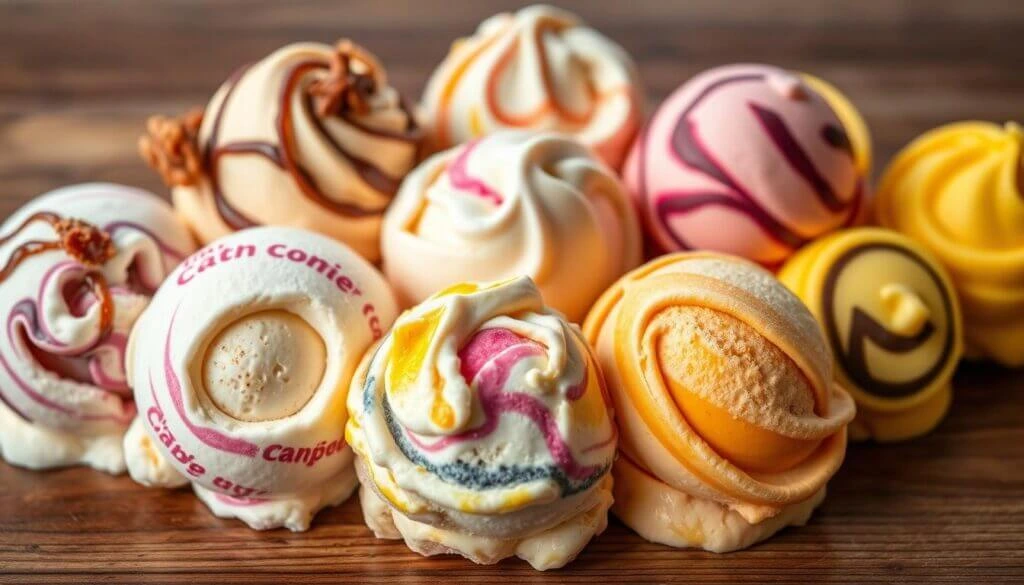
(512, 203)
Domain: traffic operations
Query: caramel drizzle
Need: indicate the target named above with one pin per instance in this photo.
(84, 242)
(343, 93)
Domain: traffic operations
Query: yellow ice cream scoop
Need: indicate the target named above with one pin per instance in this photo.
(893, 321)
(958, 191)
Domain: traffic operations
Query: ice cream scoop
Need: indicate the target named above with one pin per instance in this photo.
(311, 136)
(77, 267)
(958, 191)
(893, 321)
(240, 367)
(539, 68)
(513, 203)
(722, 383)
(751, 160)
(482, 428)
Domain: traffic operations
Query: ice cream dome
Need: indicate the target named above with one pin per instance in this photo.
(311, 136)
(540, 68)
(510, 204)
(77, 267)
(958, 190)
(892, 318)
(482, 428)
(750, 160)
(240, 367)
(722, 383)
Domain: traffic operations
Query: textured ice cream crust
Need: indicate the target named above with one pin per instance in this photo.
(242, 464)
(64, 396)
(537, 69)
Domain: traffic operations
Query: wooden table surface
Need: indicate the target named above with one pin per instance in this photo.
(77, 79)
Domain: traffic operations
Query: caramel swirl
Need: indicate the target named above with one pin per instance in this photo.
(353, 77)
(171, 148)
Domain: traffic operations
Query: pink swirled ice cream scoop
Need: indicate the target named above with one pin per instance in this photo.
(77, 267)
(481, 427)
(751, 160)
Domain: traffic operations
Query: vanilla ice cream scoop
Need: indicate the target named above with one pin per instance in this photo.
(77, 267)
(265, 366)
(250, 348)
(538, 204)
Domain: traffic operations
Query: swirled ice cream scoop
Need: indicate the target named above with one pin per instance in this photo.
(77, 267)
(722, 382)
(311, 136)
(240, 367)
(751, 160)
(536, 69)
(958, 190)
(892, 319)
(509, 204)
(482, 428)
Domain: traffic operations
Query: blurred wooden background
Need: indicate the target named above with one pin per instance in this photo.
(77, 79)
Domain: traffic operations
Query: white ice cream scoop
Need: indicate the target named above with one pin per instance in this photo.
(241, 366)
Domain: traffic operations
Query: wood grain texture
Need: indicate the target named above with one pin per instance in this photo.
(78, 79)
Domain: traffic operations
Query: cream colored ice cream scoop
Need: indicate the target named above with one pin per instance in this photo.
(264, 366)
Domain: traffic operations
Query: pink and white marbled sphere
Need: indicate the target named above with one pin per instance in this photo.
(744, 159)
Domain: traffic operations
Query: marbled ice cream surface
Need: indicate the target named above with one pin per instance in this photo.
(79, 265)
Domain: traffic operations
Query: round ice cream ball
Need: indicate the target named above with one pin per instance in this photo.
(311, 136)
(241, 367)
(77, 267)
(722, 383)
(893, 321)
(958, 191)
(482, 428)
(510, 204)
(751, 160)
(539, 68)
(265, 366)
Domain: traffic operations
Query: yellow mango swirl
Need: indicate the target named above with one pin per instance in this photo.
(722, 385)
(483, 401)
(957, 190)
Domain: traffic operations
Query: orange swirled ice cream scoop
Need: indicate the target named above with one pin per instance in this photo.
(482, 428)
(958, 191)
(513, 203)
(893, 321)
(536, 69)
(722, 384)
(311, 136)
